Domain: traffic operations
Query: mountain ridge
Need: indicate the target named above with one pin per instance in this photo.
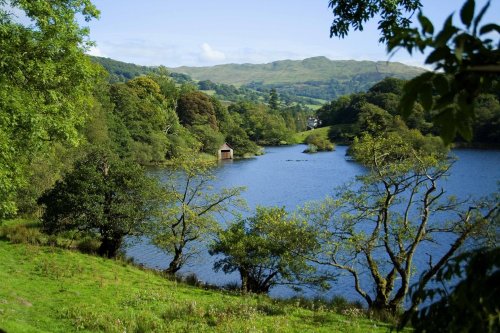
(318, 68)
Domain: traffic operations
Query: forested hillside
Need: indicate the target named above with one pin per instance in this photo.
(309, 82)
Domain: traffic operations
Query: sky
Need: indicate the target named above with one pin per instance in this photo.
(204, 33)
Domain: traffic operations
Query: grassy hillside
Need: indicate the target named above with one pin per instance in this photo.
(48, 289)
(295, 71)
(301, 136)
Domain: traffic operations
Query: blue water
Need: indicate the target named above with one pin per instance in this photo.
(285, 176)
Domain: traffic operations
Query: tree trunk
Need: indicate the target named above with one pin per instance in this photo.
(176, 263)
(383, 304)
(110, 246)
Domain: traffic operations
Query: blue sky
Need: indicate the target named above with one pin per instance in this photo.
(200, 33)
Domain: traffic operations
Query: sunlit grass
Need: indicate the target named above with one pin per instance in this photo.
(48, 289)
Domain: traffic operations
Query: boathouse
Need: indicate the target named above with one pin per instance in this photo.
(225, 152)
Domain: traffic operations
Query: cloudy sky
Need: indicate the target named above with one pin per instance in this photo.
(199, 33)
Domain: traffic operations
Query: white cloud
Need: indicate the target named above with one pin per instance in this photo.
(210, 55)
(95, 51)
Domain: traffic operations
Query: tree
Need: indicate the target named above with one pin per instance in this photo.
(141, 109)
(376, 227)
(273, 99)
(45, 84)
(471, 305)
(468, 57)
(188, 216)
(267, 249)
(101, 195)
(195, 108)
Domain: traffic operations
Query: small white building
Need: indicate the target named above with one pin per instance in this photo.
(225, 152)
(312, 123)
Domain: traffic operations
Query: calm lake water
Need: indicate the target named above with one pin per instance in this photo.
(285, 176)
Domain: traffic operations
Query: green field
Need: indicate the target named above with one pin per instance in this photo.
(49, 289)
(301, 136)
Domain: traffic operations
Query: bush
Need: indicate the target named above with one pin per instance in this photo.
(88, 245)
(320, 142)
(22, 234)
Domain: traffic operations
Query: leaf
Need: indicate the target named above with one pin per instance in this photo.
(480, 16)
(444, 35)
(467, 12)
(465, 130)
(439, 53)
(446, 120)
(427, 26)
(411, 91)
(489, 28)
(441, 84)
(426, 96)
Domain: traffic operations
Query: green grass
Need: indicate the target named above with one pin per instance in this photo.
(301, 136)
(48, 289)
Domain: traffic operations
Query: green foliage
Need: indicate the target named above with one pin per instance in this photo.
(273, 100)
(376, 225)
(210, 139)
(104, 195)
(45, 81)
(319, 142)
(143, 117)
(262, 126)
(195, 108)
(190, 206)
(394, 16)
(465, 59)
(472, 304)
(267, 249)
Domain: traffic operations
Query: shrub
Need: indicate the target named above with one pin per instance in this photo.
(88, 245)
(322, 143)
(22, 234)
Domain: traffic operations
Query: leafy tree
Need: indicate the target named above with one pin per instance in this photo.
(189, 213)
(45, 84)
(318, 143)
(101, 195)
(210, 139)
(468, 56)
(375, 227)
(471, 305)
(194, 107)
(141, 109)
(267, 249)
(273, 99)
(487, 122)
(394, 16)
(373, 120)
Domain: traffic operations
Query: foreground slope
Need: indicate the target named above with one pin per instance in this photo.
(47, 289)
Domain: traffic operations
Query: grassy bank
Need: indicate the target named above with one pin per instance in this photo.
(301, 136)
(49, 289)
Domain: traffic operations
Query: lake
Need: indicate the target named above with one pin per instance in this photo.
(284, 176)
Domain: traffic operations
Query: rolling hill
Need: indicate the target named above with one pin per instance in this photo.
(295, 71)
(311, 81)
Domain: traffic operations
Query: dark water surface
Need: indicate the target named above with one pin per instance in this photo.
(285, 176)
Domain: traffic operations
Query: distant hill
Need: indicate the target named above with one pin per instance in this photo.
(296, 71)
(317, 78)
(122, 71)
(311, 81)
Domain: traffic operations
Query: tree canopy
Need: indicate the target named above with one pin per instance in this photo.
(46, 82)
(466, 59)
(102, 195)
